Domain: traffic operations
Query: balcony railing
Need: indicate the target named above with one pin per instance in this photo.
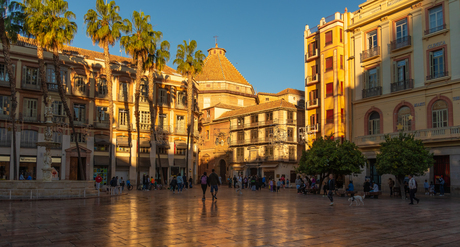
(402, 85)
(180, 131)
(292, 158)
(435, 29)
(313, 127)
(400, 43)
(81, 122)
(52, 87)
(290, 121)
(82, 91)
(125, 98)
(143, 99)
(437, 75)
(181, 106)
(239, 159)
(426, 135)
(373, 52)
(312, 79)
(311, 55)
(290, 139)
(5, 143)
(237, 126)
(164, 129)
(59, 119)
(102, 124)
(4, 83)
(30, 119)
(145, 126)
(124, 126)
(28, 144)
(102, 95)
(30, 86)
(371, 92)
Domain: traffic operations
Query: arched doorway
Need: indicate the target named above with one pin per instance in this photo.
(223, 169)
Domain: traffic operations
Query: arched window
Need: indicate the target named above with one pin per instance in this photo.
(404, 119)
(374, 123)
(440, 114)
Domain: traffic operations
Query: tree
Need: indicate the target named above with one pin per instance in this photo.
(105, 27)
(156, 61)
(403, 155)
(60, 31)
(11, 23)
(327, 156)
(138, 43)
(189, 63)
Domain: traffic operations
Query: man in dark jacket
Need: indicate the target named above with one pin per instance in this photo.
(331, 187)
(213, 182)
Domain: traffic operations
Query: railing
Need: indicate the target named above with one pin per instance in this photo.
(181, 106)
(370, 53)
(435, 29)
(312, 79)
(143, 99)
(313, 127)
(314, 29)
(125, 98)
(162, 103)
(5, 117)
(145, 126)
(5, 143)
(250, 141)
(426, 135)
(102, 95)
(290, 121)
(292, 158)
(239, 159)
(30, 86)
(124, 126)
(53, 87)
(371, 92)
(238, 126)
(28, 144)
(81, 91)
(262, 123)
(311, 54)
(59, 119)
(82, 122)
(437, 75)
(33, 194)
(290, 139)
(30, 119)
(402, 85)
(180, 131)
(164, 128)
(400, 43)
(4, 83)
(102, 124)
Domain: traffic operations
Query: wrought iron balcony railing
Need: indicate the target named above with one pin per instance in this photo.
(402, 85)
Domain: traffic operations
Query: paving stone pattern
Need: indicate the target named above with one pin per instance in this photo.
(263, 218)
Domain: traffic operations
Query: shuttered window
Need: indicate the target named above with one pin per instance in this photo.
(30, 109)
(329, 89)
(329, 63)
(328, 38)
(313, 119)
(330, 116)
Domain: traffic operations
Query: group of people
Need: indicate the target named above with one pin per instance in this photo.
(305, 184)
(212, 181)
(180, 182)
(255, 183)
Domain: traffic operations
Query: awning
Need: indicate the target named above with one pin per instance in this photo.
(163, 146)
(179, 162)
(180, 145)
(101, 160)
(164, 162)
(123, 161)
(101, 139)
(144, 162)
(269, 166)
(238, 166)
(144, 143)
(122, 141)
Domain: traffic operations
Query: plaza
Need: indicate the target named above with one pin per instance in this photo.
(262, 218)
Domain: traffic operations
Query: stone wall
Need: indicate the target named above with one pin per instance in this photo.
(42, 190)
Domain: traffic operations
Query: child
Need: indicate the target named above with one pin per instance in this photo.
(278, 185)
(271, 185)
(287, 183)
(432, 192)
(427, 187)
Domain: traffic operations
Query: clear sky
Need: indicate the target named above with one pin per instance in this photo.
(263, 38)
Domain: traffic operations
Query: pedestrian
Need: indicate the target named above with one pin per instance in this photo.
(117, 184)
(229, 179)
(412, 190)
(152, 183)
(406, 189)
(240, 184)
(367, 185)
(190, 180)
(173, 184)
(270, 186)
(21, 177)
(287, 183)
(325, 188)
(245, 182)
(279, 184)
(427, 187)
(204, 184)
(214, 182)
(441, 186)
(235, 180)
(298, 182)
(313, 182)
(283, 182)
(122, 184)
(180, 183)
(391, 183)
(432, 190)
(264, 179)
(98, 181)
(184, 178)
(331, 188)
(220, 180)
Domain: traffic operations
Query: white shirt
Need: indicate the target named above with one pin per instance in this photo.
(412, 184)
(376, 188)
(240, 179)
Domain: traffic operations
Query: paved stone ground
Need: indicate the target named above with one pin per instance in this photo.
(159, 218)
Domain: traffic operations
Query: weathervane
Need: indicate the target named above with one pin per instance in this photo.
(215, 37)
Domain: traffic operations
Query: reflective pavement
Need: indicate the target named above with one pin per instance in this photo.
(263, 218)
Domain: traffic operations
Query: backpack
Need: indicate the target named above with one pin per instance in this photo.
(204, 180)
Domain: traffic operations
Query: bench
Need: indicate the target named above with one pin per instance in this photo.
(342, 193)
(374, 194)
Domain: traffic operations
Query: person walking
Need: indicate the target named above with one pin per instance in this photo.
(180, 183)
(235, 181)
(214, 182)
(298, 182)
(331, 187)
(229, 182)
(98, 181)
(427, 187)
(173, 184)
(240, 184)
(190, 180)
(412, 190)
(204, 184)
(441, 186)
(122, 184)
(184, 178)
(391, 183)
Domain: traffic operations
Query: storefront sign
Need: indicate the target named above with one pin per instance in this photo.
(28, 159)
(456, 98)
(440, 43)
(419, 104)
(56, 160)
(4, 158)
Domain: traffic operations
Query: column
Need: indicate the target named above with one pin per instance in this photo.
(385, 65)
(454, 23)
(417, 43)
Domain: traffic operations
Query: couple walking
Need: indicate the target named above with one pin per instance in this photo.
(211, 181)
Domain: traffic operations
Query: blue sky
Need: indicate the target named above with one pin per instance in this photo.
(263, 38)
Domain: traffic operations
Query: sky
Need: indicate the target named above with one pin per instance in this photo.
(263, 38)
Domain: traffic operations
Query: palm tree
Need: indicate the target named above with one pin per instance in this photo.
(189, 63)
(137, 44)
(105, 27)
(11, 20)
(156, 61)
(61, 31)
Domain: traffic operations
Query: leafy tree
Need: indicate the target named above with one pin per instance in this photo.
(105, 27)
(60, 31)
(11, 23)
(327, 156)
(189, 63)
(403, 155)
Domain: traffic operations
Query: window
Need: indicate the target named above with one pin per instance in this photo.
(313, 119)
(181, 99)
(342, 115)
(51, 76)
(124, 91)
(436, 19)
(269, 151)
(372, 39)
(144, 90)
(240, 136)
(29, 138)
(341, 88)
(330, 116)
(181, 151)
(269, 116)
(162, 151)
(401, 70)
(58, 108)
(4, 72)
(341, 61)
(79, 112)
(437, 68)
(5, 137)
(80, 86)
(341, 36)
(208, 136)
(313, 97)
(30, 109)
(57, 137)
(240, 102)
(312, 49)
(163, 99)
(329, 63)
(372, 78)
(267, 99)
(254, 134)
(102, 115)
(440, 114)
(328, 38)
(180, 123)
(268, 133)
(329, 89)
(80, 137)
(123, 116)
(4, 106)
(404, 119)
(290, 115)
(144, 119)
(102, 87)
(290, 134)
(30, 76)
(240, 152)
(255, 118)
(401, 30)
(314, 70)
(240, 122)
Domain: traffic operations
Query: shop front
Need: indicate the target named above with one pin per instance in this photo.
(122, 167)
(4, 167)
(101, 166)
(162, 166)
(178, 167)
(269, 170)
(28, 167)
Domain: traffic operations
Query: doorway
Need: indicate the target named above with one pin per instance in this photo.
(253, 171)
(74, 173)
(442, 169)
(375, 177)
(269, 174)
(223, 170)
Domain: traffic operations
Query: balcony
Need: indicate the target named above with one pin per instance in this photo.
(402, 85)
(311, 55)
(312, 79)
(145, 127)
(52, 87)
(59, 119)
(313, 128)
(81, 91)
(28, 144)
(290, 139)
(236, 127)
(371, 92)
(32, 119)
(80, 122)
(181, 106)
(30, 86)
(292, 158)
(6, 143)
(163, 129)
(143, 99)
(125, 126)
(163, 103)
(4, 83)
(426, 135)
(314, 103)
(371, 53)
(125, 98)
(180, 131)
(102, 124)
(437, 75)
(435, 29)
(290, 121)
(102, 95)
(400, 43)
(239, 159)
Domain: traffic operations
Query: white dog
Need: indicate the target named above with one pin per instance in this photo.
(357, 199)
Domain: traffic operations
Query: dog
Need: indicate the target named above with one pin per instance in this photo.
(357, 199)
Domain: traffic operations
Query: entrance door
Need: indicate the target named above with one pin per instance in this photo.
(269, 174)
(74, 173)
(253, 171)
(375, 177)
(442, 169)
(223, 170)
(293, 177)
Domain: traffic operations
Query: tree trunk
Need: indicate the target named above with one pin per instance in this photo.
(108, 74)
(14, 101)
(189, 120)
(136, 113)
(41, 67)
(57, 73)
(402, 190)
(153, 114)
